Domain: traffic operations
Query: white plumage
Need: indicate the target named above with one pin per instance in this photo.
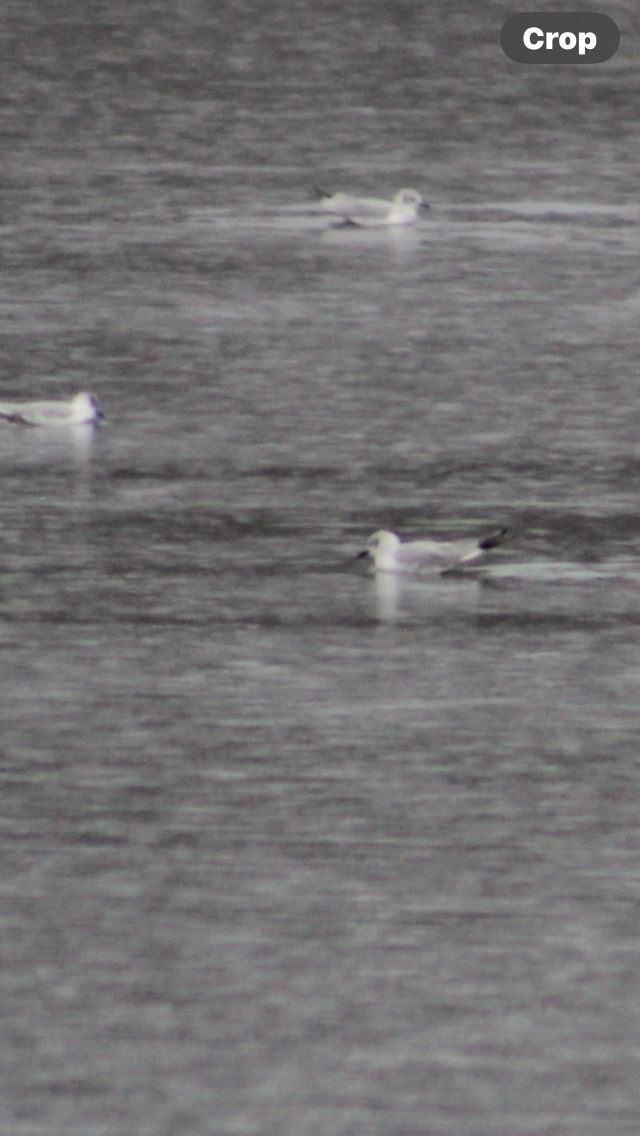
(82, 410)
(390, 554)
(403, 209)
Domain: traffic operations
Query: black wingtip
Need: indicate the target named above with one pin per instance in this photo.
(494, 539)
(16, 418)
(321, 193)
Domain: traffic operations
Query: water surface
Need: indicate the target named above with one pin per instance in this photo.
(289, 850)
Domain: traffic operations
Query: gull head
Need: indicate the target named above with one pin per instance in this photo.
(85, 409)
(382, 549)
(410, 197)
(405, 207)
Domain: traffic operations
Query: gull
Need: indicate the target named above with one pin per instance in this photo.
(403, 209)
(390, 554)
(82, 410)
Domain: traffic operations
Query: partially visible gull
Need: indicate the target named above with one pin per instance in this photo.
(403, 209)
(82, 410)
(390, 554)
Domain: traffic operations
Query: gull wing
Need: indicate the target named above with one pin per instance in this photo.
(348, 205)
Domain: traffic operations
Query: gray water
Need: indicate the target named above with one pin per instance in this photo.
(286, 851)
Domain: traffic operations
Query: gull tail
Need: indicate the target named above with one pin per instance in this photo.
(14, 417)
(494, 539)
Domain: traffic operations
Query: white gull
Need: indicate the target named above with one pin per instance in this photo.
(390, 554)
(82, 410)
(403, 209)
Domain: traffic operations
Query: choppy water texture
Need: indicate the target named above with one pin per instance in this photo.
(289, 851)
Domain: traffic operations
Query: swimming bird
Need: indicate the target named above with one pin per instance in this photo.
(403, 209)
(390, 554)
(82, 410)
